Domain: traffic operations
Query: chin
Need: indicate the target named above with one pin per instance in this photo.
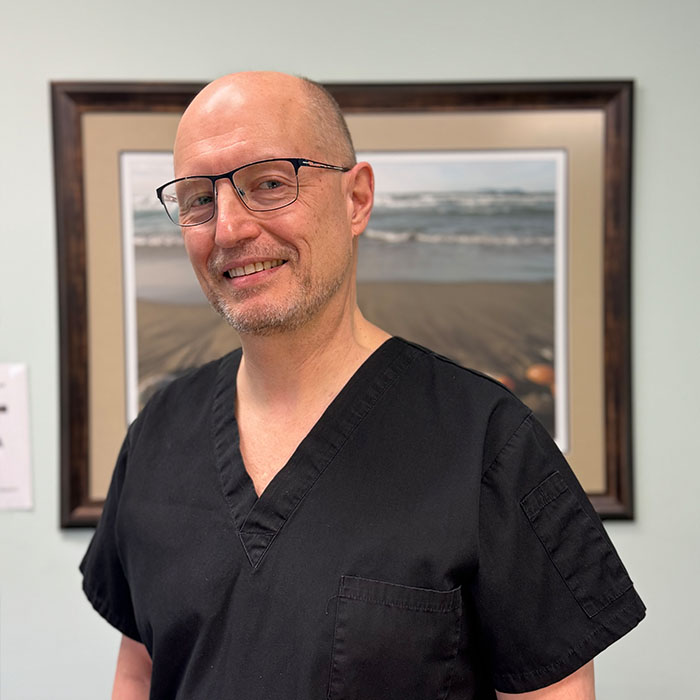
(261, 320)
(254, 317)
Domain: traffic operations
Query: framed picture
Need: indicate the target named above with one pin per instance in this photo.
(500, 237)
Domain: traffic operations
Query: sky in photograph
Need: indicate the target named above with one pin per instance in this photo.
(147, 170)
(464, 171)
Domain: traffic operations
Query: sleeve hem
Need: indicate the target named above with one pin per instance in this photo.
(118, 622)
(616, 625)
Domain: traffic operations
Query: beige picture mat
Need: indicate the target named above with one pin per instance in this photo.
(579, 132)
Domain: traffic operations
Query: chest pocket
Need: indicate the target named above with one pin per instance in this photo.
(393, 642)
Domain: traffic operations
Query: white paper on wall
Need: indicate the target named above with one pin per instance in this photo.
(15, 465)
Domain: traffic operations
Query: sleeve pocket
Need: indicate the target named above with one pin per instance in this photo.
(583, 556)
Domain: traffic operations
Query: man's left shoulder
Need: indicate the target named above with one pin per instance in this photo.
(463, 397)
(459, 378)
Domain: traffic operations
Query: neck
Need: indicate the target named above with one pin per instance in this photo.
(309, 365)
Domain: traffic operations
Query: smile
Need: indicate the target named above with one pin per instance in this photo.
(252, 268)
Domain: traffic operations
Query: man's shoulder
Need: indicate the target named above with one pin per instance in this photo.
(461, 402)
(191, 389)
(459, 377)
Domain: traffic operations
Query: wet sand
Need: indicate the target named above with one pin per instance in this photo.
(495, 327)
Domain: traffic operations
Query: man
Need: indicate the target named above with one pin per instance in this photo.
(333, 513)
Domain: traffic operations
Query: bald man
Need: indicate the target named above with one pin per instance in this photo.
(331, 512)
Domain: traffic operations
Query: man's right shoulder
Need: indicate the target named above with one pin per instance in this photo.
(191, 391)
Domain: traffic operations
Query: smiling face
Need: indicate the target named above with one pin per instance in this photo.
(270, 271)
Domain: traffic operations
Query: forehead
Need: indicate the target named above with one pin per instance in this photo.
(232, 129)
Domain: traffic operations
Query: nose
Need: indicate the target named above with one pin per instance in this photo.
(234, 221)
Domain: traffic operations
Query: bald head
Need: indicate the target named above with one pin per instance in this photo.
(332, 127)
(267, 108)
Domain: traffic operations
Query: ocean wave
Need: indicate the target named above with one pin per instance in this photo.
(160, 241)
(474, 202)
(482, 239)
(146, 203)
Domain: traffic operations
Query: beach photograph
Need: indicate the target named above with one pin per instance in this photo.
(464, 254)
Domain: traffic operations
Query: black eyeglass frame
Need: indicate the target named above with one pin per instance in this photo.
(296, 163)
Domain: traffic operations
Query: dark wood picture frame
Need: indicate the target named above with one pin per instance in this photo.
(613, 99)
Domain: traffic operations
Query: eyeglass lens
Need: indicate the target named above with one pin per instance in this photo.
(261, 187)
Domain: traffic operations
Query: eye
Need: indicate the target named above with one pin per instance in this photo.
(201, 200)
(270, 185)
(270, 188)
(267, 185)
(194, 194)
(195, 200)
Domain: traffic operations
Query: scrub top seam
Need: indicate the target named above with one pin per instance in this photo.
(217, 424)
(506, 445)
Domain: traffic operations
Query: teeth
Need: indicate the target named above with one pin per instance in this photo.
(253, 267)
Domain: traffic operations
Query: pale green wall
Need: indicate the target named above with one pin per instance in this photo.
(51, 643)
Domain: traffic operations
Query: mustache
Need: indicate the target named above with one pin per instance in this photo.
(222, 259)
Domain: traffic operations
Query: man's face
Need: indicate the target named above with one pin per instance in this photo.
(305, 250)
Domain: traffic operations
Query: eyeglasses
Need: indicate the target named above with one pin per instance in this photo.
(264, 185)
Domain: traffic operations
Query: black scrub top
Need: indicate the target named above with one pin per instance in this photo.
(426, 540)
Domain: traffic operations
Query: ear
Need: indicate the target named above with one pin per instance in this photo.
(360, 196)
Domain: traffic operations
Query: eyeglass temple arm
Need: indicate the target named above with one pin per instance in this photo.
(327, 166)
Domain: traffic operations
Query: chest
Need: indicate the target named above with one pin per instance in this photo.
(355, 500)
(358, 571)
(267, 442)
(363, 538)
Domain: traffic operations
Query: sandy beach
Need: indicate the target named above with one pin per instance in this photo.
(495, 327)
(499, 328)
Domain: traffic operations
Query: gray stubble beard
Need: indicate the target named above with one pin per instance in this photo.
(272, 319)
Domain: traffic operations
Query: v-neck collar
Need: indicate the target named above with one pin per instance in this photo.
(259, 520)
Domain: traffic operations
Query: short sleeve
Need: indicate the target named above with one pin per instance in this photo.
(550, 592)
(104, 581)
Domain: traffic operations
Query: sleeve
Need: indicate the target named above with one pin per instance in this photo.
(104, 581)
(550, 592)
